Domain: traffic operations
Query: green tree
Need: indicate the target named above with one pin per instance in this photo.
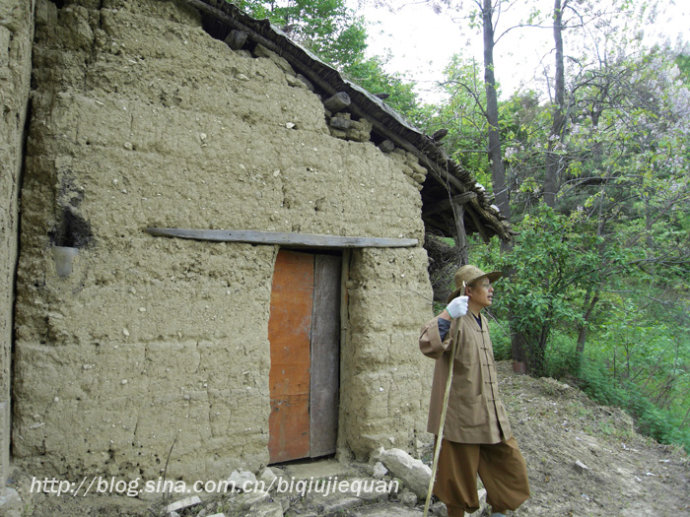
(335, 34)
(464, 117)
(553, 264)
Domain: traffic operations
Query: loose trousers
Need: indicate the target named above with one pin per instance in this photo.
(500, 466)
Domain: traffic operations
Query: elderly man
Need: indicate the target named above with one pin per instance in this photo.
(477, 438)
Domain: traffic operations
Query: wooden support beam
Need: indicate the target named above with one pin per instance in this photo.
(461, 199)
(477, 222)
(461, 235)
(296, 240)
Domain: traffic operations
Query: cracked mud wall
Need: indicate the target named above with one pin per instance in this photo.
(16, 34)
(140, 119)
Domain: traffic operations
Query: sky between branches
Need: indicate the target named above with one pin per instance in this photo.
(420, 43)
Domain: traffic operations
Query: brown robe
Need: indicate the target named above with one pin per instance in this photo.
(475, 411)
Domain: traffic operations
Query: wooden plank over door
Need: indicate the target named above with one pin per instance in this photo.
(325, 357)
(289, 329)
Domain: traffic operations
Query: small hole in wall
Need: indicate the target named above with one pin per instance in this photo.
(72, 230)
(214, 28)
(376, 138)
(220, 31)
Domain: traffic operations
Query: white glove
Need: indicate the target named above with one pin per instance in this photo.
(457, 306)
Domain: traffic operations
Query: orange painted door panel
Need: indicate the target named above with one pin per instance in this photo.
(289, 332)
(304, 332)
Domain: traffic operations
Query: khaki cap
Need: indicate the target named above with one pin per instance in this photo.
(469, 274)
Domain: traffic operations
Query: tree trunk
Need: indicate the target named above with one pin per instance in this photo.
(498, 175)
(518, 348)
(582, 330)
(553, 160)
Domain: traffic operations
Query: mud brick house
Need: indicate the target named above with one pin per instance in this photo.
(212, 245)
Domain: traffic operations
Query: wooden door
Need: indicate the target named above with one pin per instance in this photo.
(304, 333)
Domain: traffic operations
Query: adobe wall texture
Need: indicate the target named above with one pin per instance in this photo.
(16, 34)
(140, 119)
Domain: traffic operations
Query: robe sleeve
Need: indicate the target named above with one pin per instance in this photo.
(430, 342)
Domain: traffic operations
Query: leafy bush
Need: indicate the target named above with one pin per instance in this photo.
(500, 339)
(661, 424)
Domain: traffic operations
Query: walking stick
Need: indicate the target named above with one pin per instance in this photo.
(441, 424)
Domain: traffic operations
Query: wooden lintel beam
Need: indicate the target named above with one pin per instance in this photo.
(298, 240)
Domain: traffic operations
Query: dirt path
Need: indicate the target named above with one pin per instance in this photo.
(586, 460)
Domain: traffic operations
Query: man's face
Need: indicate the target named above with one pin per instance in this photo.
(481, 293)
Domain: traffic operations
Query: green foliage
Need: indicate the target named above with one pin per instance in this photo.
(683, 64)
(333, 32)
(639, 352)
(314, 24)
(463, 117)
(500, 339)
(561, 358)
(553, 264)
(610, 266)
(369, 74)
(663, 425)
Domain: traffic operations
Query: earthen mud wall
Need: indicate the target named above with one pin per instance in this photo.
(16, 34)
(153, 347)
